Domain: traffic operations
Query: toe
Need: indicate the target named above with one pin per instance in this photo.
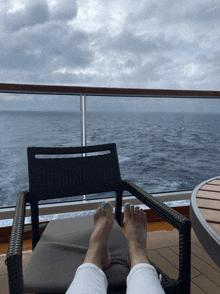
(103, 209)
(137, 210)
(132, 211)
(108, 208)
(142, 214)
(138, 213)
(145, 217)
(97, 213)
(127, 210)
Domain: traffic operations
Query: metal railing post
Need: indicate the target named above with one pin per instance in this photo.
(83, 126)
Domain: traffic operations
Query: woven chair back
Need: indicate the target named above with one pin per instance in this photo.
(63, 172)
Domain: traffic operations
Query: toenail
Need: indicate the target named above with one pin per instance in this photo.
(132, 206)
(137, 207)
(106, 204)
(127, 205)
(103, 203)
(100, 205)
(141, 209)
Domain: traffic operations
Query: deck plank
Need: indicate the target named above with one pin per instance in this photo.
(196, 289)
(163, 264)
(208, 203)
(214, 182)
(210, 215)
(169, 255)
(208, 187)
(3, 268)
(208, 195)
(206, 284)
(194, 271)
(4, 289)
(202, 254)
(206, 269)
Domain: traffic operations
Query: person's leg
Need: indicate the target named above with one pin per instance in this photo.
(143, 276)
(89, 277)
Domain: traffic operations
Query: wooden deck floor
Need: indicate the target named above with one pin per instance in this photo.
(163, 250)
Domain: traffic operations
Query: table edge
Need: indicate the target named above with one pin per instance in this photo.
(204, 232)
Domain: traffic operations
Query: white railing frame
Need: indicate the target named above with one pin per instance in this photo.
(78, 206)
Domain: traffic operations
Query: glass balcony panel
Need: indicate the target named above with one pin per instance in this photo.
(164, 144)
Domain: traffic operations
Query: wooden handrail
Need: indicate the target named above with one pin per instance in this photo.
(103, 91)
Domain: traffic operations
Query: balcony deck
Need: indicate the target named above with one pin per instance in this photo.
(163, 250)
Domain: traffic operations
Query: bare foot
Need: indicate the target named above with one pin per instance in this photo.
(135, 222)
(103, 222)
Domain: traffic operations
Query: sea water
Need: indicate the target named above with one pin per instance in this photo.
(160, 152)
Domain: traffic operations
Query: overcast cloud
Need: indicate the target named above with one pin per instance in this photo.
(160, 44)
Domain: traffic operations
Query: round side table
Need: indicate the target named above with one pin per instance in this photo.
(205, 216)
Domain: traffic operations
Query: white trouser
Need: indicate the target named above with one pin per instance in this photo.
(90, 279)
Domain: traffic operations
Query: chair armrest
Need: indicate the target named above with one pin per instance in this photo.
(14, 254)
(167, 213)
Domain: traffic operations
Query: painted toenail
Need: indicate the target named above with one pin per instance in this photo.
(103, 203)
(106, 204)
(141, 209)
(132, 206)
(127, 206)
(100, 205)
(137, 207)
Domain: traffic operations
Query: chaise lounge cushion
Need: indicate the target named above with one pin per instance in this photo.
(62, 249)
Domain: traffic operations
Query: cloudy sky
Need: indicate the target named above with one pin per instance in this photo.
(155, 44)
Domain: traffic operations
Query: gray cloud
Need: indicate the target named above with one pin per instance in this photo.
(51, 45)
(172, 11)
(127, 41)
(156, 44)
(35, 12)
(66, 10)
(38, 12)
(203, 12)
(36, 45)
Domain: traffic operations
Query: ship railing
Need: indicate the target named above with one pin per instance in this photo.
(83, 92)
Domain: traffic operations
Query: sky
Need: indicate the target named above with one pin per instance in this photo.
(151, 44)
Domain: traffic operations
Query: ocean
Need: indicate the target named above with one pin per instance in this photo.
(160, 152)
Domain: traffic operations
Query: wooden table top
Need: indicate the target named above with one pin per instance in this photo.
(208, 201)
(205, 216)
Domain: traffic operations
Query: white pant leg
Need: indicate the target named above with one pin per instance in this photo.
(143, 279)
(88, 279)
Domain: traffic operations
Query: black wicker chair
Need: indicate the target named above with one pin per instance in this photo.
(63, 245)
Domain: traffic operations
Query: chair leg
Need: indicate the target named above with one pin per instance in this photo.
(118, 205)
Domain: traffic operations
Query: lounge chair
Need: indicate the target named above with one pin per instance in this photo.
(62, 247)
